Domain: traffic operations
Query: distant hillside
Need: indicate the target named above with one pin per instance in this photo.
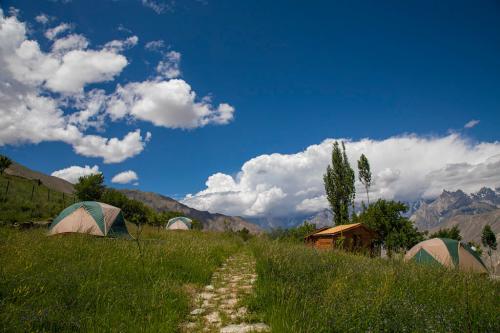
(322, 219)
(215, 222)
(20, 188)
(284, 222)
(470, 213)
(471, 226)
(23, 200)
(51, 182)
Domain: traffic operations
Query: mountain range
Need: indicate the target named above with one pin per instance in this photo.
(214, 222)
(470, 212)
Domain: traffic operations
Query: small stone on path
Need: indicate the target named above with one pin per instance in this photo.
(206, 295)
(245, 328)
(196, 312)
(213, 317)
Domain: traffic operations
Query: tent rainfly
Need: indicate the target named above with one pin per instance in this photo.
(90, 217)
(448, 253)
(179, 223)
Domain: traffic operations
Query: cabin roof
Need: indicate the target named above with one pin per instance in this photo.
(337, 229)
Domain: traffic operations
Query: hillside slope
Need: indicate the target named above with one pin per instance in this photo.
(51, 182)
(20, 207)
(470, 213)
(214, 222)
(471, 226)
(23, 200)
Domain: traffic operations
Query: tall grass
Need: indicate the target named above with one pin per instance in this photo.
(88, 284)
(17, 204)
(302, 290)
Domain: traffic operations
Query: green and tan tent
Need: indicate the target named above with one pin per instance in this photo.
(446, 252)
(90, 217)
(179, 223)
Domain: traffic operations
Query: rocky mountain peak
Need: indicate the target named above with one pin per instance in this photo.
(449, 200)
(454, 203)
(488, 195)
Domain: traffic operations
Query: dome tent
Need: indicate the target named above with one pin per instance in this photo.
(179, 223)
(90, 217)
(448, 253)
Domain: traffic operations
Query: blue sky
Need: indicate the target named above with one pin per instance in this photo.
(295, 73)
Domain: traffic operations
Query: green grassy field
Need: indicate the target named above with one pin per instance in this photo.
(18, 205)
(79, 283)
(303, 290)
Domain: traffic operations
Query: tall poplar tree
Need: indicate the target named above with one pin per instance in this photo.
(339, 184)
(365, 174)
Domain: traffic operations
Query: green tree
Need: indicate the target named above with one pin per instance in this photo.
(394, 231)
(196, 225)
(339, 185)
(452, 233)
(137, 213)
(489, 240)
(134, 211)
(114, 198)
(244, 234)
(90, 188)
(171, 214)
(5, 162)
(293, 234)
(158, 220)
(365, 174)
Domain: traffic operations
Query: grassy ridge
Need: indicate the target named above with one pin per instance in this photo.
(301, 290)
(88, 284)
(17, 204)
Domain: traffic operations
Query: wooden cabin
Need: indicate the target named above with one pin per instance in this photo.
(352, 237)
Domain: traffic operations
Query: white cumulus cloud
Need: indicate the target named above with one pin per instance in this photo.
(42, 18)
(73, 173)
(54, 32)
(125, 177)
(167, 103)
(79, 68)
(169, 67)
(406, 167)
(45, 95)
(471, 123)
(29, 115)
(67, 69)
(112, 150)
(158, 6)
(70, 42)
(120, 45)
(155, 45)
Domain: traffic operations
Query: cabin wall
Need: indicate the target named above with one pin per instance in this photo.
(323, 243)
(359, 238)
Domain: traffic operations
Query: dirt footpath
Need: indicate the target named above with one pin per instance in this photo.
(218, 307)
